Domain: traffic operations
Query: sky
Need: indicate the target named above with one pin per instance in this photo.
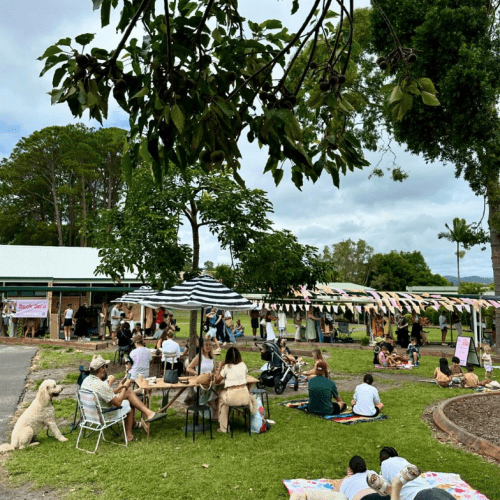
(387, 215)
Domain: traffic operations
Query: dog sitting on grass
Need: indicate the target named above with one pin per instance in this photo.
(40, 414)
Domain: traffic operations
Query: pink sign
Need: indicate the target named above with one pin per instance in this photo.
(32, 308)
(462, 349)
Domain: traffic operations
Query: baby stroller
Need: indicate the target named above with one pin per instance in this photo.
(279, 372)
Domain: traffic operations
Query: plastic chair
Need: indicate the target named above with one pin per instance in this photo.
(95, 419)
(245, 409)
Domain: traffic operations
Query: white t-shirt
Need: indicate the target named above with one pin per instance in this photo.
(227, 314)
(366, 397)
(142, 358)
(69, 313)
(392, 466)
(352, 485)
(442, 321)
(170, 345)
(115, 322)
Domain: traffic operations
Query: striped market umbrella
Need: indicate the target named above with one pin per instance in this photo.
(137, 296)
(199, 292)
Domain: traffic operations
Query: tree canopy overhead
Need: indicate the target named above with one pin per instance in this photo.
(202, 75)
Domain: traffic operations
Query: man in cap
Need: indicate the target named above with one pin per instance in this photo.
(99, 382)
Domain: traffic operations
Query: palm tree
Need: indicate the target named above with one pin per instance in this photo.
(459, 234)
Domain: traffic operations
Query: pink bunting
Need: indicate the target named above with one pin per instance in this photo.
(359, 309)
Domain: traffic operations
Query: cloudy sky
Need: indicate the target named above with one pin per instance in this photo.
(389, 216)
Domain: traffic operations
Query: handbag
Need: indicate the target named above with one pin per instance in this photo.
(171, 377)
(263, 322)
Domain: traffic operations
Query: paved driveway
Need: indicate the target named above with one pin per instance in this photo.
(14, 364)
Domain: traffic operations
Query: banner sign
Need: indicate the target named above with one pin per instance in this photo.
(32, 308)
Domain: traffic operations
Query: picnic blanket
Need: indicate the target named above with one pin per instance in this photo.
(347, 417)
(406, 366)
(452, 483)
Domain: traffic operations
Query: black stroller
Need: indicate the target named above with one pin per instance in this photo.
(279, 372)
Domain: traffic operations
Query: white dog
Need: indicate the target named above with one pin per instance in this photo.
(38, 415)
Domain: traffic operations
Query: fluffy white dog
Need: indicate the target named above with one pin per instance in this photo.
(38, 415)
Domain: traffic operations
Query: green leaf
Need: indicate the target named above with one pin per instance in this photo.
(105, 12)
(406, 105)
(56, 95)
(58, 75)
(97, 4)
(396, 94)
(64, 41)
(177, 118)
(143, 92)
(127, 168)
(271, 24)
(52, 50)
(197, 135)
(278, 175)
(430, 99)
(295, 6)
(413, 90)
(427, 85)
(84, 39)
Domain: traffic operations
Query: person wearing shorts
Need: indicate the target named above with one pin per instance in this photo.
(68, 322)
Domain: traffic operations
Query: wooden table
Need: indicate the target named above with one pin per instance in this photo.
(181, 387)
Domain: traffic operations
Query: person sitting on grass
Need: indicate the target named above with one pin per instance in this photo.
(354, 485)
(99, 382)
(442, 373)
(470, 380)
(386, 359)
(366, 400)
(238, 329)
(413, 351)
(321, 391)
(317, 356)
(401, 480)
(456, 370)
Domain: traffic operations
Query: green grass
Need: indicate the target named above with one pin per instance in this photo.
(58, 358)
(299, 446)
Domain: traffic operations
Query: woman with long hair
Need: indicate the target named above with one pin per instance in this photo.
(442, 373)
(234, 374)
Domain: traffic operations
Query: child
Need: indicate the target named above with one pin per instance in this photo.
(487, 361)
(413, 351)
(470, 380)
(456, 370)
(442, 373)
(386, 359)
(287, 356)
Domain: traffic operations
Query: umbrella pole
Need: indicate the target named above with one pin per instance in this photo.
(200, 347)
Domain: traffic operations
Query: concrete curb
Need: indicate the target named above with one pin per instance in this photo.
(445, 424)
(85, 346)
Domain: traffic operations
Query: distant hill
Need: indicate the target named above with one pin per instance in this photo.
(469, 279)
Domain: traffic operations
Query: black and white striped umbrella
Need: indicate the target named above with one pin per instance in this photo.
(137, 296)
(202, 291)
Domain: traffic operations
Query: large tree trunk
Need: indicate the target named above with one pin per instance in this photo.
(494, 225)
(57, 212)
(83, 242)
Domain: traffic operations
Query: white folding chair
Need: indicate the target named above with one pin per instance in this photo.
(95, 419)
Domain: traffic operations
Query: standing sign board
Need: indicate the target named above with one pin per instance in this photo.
(32, 308)
(465, 351)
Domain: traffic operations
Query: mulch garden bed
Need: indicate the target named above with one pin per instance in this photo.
(479, 416)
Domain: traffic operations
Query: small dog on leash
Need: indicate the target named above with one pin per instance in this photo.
(40, 414)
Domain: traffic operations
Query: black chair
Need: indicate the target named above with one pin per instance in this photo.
(197, 410)
(262, 393)
(120, 353)
(245, 409)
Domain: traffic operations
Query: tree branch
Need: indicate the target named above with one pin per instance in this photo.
(169, 39)
(197, 36)
(144, 6)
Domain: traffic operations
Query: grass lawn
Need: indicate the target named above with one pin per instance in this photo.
(299, 446)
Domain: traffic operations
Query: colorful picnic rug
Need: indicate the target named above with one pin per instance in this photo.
(347, 418)
(406, 366)
(452, 483)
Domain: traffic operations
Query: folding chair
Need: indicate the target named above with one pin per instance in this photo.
(95, 419)
(344, 335)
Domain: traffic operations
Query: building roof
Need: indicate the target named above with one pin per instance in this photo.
(346, 286)
(21, 262)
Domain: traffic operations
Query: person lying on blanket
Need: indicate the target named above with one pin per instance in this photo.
(401, 480)
(321, 392)
(354, 486)
(386, 359)
(366, 400)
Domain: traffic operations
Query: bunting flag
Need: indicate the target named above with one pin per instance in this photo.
(342, 307)
(320, 307)
(435, 305)
(267, 306)
(459, 307)
(467, 307)
(335, 309)
(349, 306)
(329, 308)
(384, 309)
(294, 307)
(375, 295)
(306, 306)
(359, 309)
